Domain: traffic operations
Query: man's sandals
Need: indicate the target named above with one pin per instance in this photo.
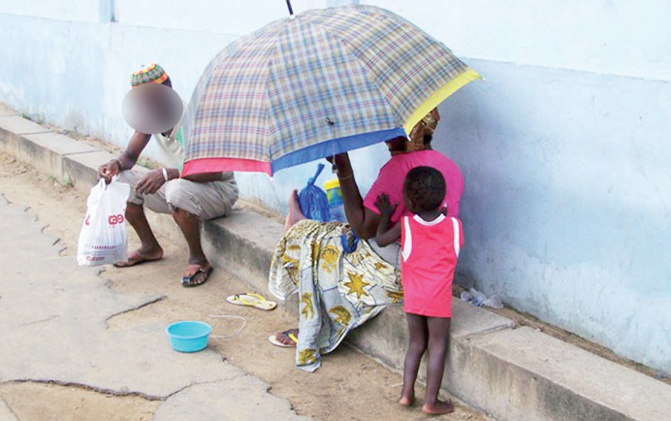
(196, 278)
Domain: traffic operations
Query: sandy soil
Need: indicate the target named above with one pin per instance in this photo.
(49, 402)
(348, 386)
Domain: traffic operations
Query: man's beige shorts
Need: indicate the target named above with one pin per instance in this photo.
(204, 200)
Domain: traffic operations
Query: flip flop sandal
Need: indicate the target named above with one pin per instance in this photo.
(190, 281)
(273, 339)
(251, 299)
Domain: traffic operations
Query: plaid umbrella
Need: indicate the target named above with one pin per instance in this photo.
(320, 83)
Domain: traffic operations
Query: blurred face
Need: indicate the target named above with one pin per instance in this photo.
(152, 108)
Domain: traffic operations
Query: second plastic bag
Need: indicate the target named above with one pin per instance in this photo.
(102, 239)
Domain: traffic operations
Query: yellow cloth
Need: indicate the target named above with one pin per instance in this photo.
(337, 291)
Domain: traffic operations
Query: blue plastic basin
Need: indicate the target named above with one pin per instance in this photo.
(188, 336)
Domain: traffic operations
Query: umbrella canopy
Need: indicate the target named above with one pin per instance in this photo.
(320, 83)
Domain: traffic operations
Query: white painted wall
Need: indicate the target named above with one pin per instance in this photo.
(565, 150)
(229, 16)
(564, 145)
(616, 37)
(76, 10)
(566, 207)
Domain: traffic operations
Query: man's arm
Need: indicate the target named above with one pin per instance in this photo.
(127, 159)
(363, 221)
(152, 181)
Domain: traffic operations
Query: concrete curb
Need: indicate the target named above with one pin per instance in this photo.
(509, 373)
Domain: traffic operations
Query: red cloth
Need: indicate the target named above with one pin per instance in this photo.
(208, 165)
(392, 175)
(429, 253)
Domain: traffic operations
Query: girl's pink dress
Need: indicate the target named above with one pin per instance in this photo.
(429, 253)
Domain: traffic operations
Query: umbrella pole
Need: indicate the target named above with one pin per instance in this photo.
(291, 11)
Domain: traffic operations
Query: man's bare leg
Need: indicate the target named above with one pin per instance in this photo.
(295, 212)
(149, 249)
(198, 268)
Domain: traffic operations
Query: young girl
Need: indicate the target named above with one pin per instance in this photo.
(430, 244)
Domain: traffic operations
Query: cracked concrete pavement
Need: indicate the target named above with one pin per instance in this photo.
(54, 323)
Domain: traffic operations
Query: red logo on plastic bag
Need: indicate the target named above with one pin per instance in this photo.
(115, 219)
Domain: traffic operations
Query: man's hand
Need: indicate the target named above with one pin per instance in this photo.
(151, 182)
(384, 206)
(109, 170)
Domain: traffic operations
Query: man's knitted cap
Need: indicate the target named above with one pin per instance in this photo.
(152, 73)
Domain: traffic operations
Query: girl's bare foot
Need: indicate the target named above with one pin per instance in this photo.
(295, 212)
(407, 400)
(439, 407)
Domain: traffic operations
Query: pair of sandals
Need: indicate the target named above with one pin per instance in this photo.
(286, 339)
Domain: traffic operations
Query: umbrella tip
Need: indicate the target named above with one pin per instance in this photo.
(291, 11)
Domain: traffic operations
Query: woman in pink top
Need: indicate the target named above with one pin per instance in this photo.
(392, 174)
(348, 282)
(426, 276)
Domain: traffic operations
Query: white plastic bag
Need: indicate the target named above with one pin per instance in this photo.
(102, 239)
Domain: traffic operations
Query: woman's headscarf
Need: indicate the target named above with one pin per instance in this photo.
(423, 131)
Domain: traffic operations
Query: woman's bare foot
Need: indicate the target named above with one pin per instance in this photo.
(286, 339)
(295, 212)
(438, 408)
(407, 400)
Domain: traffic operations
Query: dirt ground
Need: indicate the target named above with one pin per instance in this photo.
(348, 386)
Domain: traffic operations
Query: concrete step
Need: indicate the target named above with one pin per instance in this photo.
(508, 372)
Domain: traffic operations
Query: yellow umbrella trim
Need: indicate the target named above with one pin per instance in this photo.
(439, 96)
